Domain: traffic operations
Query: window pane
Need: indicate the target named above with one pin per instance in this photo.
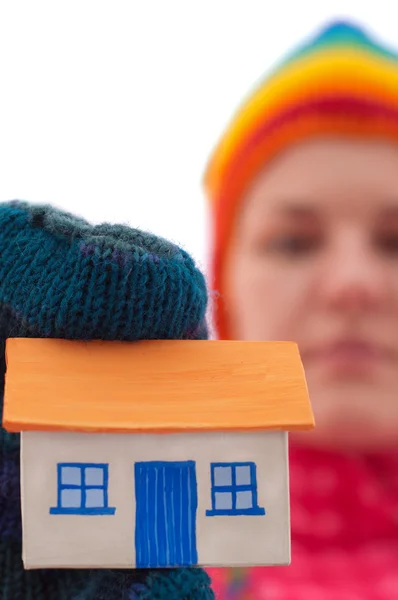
(244, 500)
(71, 498)
(243, 475)
(71, 476)
(95, 498)
(223, 501)
(94, 476)
(222, 476)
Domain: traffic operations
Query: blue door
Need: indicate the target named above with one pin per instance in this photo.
(166, 504)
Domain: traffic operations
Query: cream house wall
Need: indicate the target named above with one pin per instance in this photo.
(109, 540)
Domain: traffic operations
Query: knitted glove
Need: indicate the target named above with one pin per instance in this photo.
(61, 277)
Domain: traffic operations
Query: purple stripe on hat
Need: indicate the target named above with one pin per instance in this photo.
(197, 331)
(14, 323)
(192, 333)
(136, 590)
(10, 511)
(119, 257)
(87, 249)
(152, 257)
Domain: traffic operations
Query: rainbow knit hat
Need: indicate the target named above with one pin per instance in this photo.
(341, 82)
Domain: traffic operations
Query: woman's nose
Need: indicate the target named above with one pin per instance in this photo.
(354, 276)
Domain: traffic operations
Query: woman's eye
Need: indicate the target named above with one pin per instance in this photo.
(388, 243)
(294, 245)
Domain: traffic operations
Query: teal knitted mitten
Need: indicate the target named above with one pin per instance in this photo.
(61, 277)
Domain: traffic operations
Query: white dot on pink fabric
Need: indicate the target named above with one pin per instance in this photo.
(368, 495)
(375, 555)
(271, 591)
(337, 561)
(311, 591)
(328, 524)
(388, 587)
(329, 591)
(324, 481)
(298, 481)
(349, 595)
(301, 519)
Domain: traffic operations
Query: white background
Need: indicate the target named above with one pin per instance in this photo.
(110, 109)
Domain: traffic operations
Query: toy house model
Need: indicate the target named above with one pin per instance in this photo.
(154, 453)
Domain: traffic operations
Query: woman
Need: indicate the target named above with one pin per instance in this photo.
(304, 191)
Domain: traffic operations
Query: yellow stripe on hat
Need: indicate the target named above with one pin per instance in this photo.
(333, 70)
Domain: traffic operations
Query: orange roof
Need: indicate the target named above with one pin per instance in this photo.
(154, 386)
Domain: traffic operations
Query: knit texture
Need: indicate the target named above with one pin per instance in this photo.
(341, 82)
(61, 277)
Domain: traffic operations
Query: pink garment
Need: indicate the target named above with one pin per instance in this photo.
(344, 512)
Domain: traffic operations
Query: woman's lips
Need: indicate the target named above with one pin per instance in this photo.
(349, 355)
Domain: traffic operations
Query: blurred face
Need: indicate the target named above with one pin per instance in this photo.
(314, 259)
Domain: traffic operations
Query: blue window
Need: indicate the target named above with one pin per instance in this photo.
(234, 489)
(82, 489)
